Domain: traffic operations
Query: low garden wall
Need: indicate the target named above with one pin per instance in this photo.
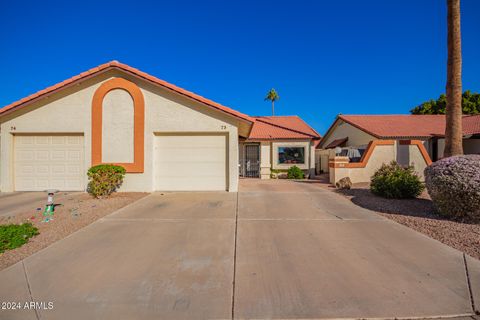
(378, 152)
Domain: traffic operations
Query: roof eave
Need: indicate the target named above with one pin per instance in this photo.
(42, 94)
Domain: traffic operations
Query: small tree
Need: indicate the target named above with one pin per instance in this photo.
(273, 96)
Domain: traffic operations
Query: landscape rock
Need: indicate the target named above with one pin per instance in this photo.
(344, 183)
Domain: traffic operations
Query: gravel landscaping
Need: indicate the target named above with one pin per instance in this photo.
(419, 214)
(74, 212)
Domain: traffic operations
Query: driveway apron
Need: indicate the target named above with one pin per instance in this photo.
(274, 250)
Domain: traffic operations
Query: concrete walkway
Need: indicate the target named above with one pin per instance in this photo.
(277, 249)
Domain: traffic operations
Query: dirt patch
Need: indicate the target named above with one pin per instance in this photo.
(420, 215)
(73, 212)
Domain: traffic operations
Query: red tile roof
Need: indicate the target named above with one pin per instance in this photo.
(117, 65)
(281, 127)
(471, 124)
(398, 126)
(264, 128)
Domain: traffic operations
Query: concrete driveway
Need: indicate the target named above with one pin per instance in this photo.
(277, 249)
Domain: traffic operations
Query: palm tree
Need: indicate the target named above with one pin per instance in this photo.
(453, 127)
(273, 96)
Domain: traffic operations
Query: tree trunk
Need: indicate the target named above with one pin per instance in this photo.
(273, 108)
(453, 128)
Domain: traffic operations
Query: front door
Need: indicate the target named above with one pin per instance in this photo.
(250, 162)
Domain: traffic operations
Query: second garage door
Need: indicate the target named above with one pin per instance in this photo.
(49, 162)
(196, 162)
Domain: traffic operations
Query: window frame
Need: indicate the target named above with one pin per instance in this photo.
(291, 147)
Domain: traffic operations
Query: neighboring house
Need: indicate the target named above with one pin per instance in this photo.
(358, 144)
(167, 138)
(278, 142)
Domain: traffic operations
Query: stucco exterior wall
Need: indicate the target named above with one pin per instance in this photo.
(322, 157)
(410, 155)
(117, 127)
(303, 144)
(69, 111)
(66, 112)
(356, 137)
(265, 159)
(381, 154)
(405, 154)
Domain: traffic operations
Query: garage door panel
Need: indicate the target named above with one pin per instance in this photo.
(58, 140)
(192, 169)
(185, 155)
(23, 170)
(188, 184)
(42, 155)
(190, 141)
(58, 155)
(58, 170)
(191, 162)
(25, 155)
(42, 170)
(74, 155)
(42, 140)
(74, 170)
(40, 184)
(43, 162)
(75, 140)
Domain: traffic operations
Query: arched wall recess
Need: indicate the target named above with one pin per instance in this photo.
(137, 166)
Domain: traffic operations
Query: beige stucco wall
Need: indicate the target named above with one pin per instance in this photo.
(265, 159)
(307, 154)
(117, 127)
(403, 154)
(381, 154)
(356, 137)
(165, 112)
(410, 155)
(322, 157)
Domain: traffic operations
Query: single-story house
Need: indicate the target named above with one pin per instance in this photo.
(284, 141)
(358, 144)
(167, 138)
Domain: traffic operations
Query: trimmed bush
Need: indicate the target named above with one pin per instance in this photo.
(454, 186)
(295, 172)
(16, 235)
(104, 179)
(395, 181)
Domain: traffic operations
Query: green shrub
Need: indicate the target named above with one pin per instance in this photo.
(15, 235)
(104, 179)
(454, 185)
(395, 181)
(295, 173)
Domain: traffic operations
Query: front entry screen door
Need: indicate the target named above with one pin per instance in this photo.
(251, 165)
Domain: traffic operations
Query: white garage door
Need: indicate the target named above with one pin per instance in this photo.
(190, 162)
(49, 162)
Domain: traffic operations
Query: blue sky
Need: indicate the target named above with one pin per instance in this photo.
(323, 57)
